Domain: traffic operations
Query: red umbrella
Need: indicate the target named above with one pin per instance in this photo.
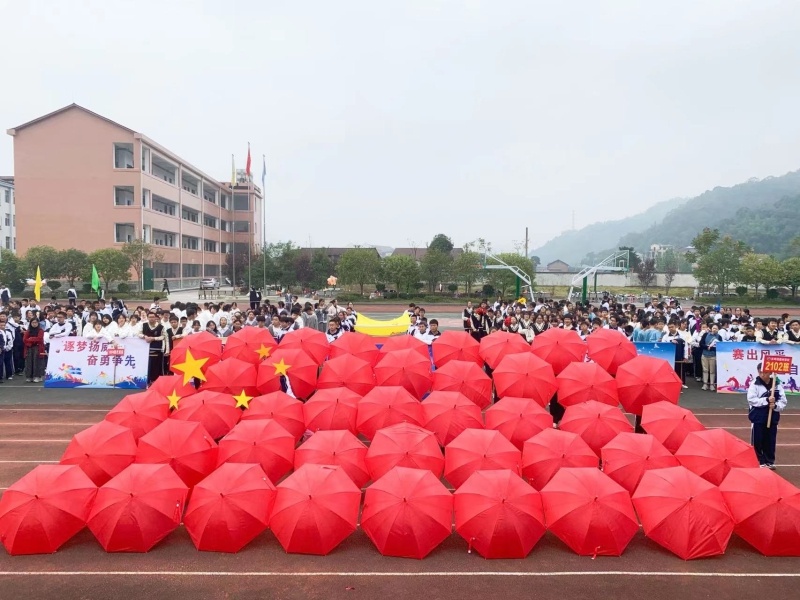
(347, 371)
(589, 512)
(340, 448)
(765, 509)
(714, 452)
(215, 411)
(559, 348)
(404, 445)
(311, 341)
(45, 508)
(683, 512)
(229, 508)
(478, 450)
(184, 445)
(280, 406)
(192, 355)
(595, 422)
(250, 344)
(629, 455)
(298, 367)
(407, 368)
(102, 451)
(232, 376)
(404, 342)
(332, 408)
(356, 344)
(518, 419)
(139, 412)
(547, 452)
(385, 406)
(261, 441)
(315, 509)
(610, 349)
(449, 413)
(466, 378)
(407, 513)
(138, 508)
(456, 345)
(499, 515)
(171, 386)
(669, 423)
(580, 382)
(495, 347)
(525, 376)
(646, 380)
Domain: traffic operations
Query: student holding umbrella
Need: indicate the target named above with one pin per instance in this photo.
(766, 400)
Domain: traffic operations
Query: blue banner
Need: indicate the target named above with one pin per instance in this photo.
(662, 350)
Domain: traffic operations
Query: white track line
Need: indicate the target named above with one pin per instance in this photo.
(312, 575)
(71, 424)
(55, 409)
(4, 441)
(27, 462)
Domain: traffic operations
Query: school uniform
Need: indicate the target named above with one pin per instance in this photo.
(763, 438)
(155, 367)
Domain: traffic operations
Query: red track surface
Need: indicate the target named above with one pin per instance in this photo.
(33, 434)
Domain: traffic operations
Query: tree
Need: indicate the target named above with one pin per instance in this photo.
(717, 259)
(112, 265)
(237, 259)
(359, 266)
(442, 243)
(504, 280)
(11, 271)
(634, 259)
(44, 257)
(140, 253)
(74, 264)
(467, 268)
(791, 274)
(760, 269)
(667, 264)
(401, 270)
(646, 272)
(321, 268)
(536, 261)
(435, 266)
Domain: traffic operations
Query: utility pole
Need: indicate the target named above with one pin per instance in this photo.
(526, 242)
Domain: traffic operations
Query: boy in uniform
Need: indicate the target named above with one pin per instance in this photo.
(761, 399)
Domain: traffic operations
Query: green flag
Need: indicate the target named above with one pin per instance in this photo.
(95, 280)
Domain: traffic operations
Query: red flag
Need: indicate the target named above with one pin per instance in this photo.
(247, 166)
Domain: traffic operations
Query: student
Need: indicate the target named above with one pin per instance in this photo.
(792, 332)
(165, 287)
(760, 398)
(433, 329)
(72, 296)
(6, 349)
(708, 344)
(309, 317)
(35, 356)
(334, 329)
(153, 333)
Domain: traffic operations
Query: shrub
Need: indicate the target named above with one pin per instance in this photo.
(741, 290)
(87, 288)
(54, 285)
(123, 288)
(488, 290)
(452, 288)
(381, 287)
(772, 294)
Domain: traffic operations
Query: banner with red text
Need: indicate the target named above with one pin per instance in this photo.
(77, 362)
(737, 364)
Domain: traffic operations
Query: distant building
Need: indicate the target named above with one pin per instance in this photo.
(557, 266)
(657, 251)
(8, 217)
(419, 253)
(334, 254)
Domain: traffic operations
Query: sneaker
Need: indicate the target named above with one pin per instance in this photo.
(698, 379)
(686, 387)
(705, 387)
(10, 377)
(770, 466)
(37, 380)
(28, 380)
(762, 466)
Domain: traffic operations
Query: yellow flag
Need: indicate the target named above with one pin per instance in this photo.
(37, 286)
(233, 171)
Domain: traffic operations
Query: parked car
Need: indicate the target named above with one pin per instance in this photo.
(209, 283)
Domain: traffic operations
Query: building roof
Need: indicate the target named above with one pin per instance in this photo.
(65, 109)
(557, 261)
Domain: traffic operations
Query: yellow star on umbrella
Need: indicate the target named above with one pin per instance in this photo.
(243, 400)
(191, 367)
(281, 368)
(173, 399)
(263, 352)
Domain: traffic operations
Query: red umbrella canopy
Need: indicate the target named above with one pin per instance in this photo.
(404, 445)
(629, 455)
(385, 406)
(311, 341)
(215, 411)
(280, 406)
(192, 355)
(449, 413)
(102, 451)
(184, 445)
(45, 508)
(169, 386)
(518, 419)
(250, 344)
(478, 450)
(404, 342)
(332, 408)
(525, 376)
(559, 348)
(595, 422)
(495, 347)
(456, 345)
(407, 368)
(645, 380)
(259, 441)
(407, 513)
(669, 423)
(139, 412)
(347, 371)
(232, 376)
(498, 514)
(683, 512)
(138, 508)
(589, 512)
(229, 508)
(356, 344)
(580, 382)
(713, 453)
(765, 509)
(316, 508)
(298, 367)
(464, 377)
(610, 349)
(547, 452)
(337, 447)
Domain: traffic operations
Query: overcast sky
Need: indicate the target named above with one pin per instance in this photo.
(387, 121)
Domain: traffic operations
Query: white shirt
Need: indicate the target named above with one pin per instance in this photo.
(58, 330)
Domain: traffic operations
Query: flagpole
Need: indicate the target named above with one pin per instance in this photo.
(233, 226)
(264, 220)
